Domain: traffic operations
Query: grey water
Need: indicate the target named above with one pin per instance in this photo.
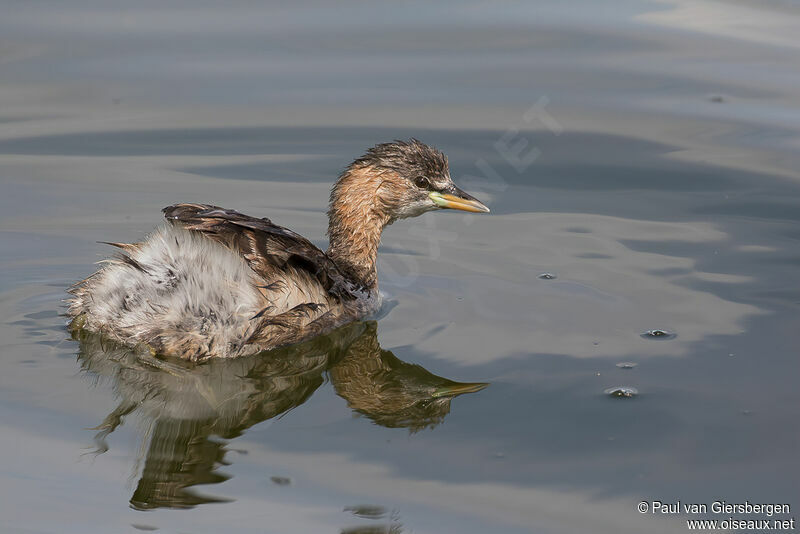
(645, 155)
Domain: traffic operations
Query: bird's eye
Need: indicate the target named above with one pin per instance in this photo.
(422, 182)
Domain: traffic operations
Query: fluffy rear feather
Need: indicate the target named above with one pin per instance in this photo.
(184, 293)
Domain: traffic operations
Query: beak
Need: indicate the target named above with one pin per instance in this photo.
(458, 388)
(458, 200)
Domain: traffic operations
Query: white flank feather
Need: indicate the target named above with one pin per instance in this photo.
(179, 290)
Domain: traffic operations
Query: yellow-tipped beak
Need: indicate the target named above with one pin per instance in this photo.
(462, 201)
(459, 388)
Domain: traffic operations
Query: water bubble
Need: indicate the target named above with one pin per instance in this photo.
(627, 365)
(622, 391)
(547, 276)
(658, 334)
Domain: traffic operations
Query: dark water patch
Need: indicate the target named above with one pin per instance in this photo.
(57, 326)
(676, 248)
(367, 511)
(340, 143)
(776, 210)
(613, 163)
(373, 529)
(48, 343)
(434, 330)
(23, 118)
(302, 171)
(784, 296)
(45, 314)
(23, 322)
(787, 260)
(34, 245)
(594, 256)
(627, 176)
(399, 250)
(281, 481)
(791, 232)
(671, 271)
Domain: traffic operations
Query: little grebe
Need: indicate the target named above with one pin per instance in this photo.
(217, 283)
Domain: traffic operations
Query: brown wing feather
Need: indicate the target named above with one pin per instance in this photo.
(265, 245)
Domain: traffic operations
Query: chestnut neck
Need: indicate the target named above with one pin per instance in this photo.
(356, 220)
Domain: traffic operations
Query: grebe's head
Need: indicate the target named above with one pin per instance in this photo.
(398, 180)
(391, 181)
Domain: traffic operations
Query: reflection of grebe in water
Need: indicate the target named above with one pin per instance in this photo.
(217, 283)
(187, 403)
(391, 392)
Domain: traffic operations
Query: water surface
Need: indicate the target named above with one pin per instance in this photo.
(657, 181)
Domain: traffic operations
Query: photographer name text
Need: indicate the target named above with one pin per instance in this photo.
(716, 507)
